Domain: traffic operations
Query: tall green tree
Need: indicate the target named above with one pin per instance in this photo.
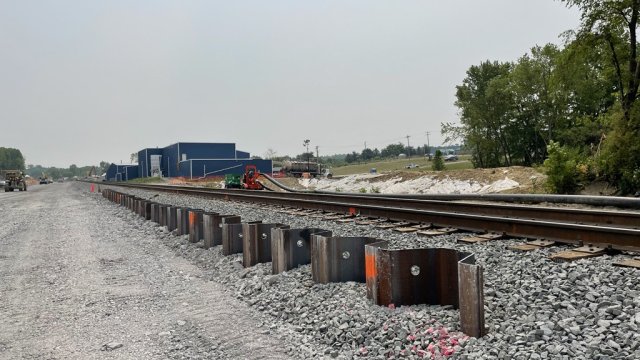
(615, 24)
(484, 105)
(11, 159)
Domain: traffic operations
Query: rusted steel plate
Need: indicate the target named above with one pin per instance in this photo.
(415, 276)
(471, 297)
(163, 215)
(524, 247)
(634, 263)
(171, 218)
(338, 217)
(436, 232)
(232, 237)
(571, 255)
(370, 221)
(433, 276)
(391, 225)
(338, 259)
(147, 210)
(155, 207)
(256, 247)
(195, 225)
(591, 249)
(292, 247)
(211, 228)
(213, 223)
(182, 217)
(479, 238)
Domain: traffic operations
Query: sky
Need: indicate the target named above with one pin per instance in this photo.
(86, 81)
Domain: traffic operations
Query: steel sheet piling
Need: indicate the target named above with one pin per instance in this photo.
(471, 297)
(292, 247)
(195, 225)
(338, 259)
(171, 218)
(256, 247)
(232, 237)
(213, 223)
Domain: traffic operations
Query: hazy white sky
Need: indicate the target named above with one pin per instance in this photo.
(84, 81)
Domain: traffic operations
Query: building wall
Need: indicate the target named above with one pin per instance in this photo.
(219, 167)
(242, 154)
(172, 156)
(117, 172)
(144, 160)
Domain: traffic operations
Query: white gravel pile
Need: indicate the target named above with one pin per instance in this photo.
(535, 308)
(422, 185)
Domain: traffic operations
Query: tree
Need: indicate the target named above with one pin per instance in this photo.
(392, 150)
(438, 161)
(615, 23)
(134, 158)
(270, 153)
(367, 154)
(485, 107)
(11, 159)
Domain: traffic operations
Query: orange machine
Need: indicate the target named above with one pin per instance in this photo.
(250, 178)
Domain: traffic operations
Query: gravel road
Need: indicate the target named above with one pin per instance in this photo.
(82, 281)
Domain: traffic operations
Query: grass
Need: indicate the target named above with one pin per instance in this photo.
(146, 180)
(399, 165)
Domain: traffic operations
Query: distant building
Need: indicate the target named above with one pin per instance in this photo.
(121, 172)
(197, 160)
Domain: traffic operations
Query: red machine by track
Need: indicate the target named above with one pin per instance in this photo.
(250, 178)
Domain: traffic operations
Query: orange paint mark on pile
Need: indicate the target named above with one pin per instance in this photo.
(370, 266)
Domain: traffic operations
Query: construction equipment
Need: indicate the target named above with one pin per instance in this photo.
(14, 179)
(249, 180)
(44, 179)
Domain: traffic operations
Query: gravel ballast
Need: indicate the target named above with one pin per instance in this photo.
(534, 308)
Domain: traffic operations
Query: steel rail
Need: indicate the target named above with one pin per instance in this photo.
(620, 238)
(576, 216)
(600, 201)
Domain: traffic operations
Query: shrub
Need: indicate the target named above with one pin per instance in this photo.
(438, 161)
(563, 172)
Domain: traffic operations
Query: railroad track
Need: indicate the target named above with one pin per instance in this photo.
(604, 229)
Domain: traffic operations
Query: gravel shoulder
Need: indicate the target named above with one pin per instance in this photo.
(82, 280)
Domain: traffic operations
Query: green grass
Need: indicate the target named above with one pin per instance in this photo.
(399, 165)
(146, 180)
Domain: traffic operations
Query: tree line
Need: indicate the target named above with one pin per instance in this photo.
(73, 170)
(573, 106)
(11, 159)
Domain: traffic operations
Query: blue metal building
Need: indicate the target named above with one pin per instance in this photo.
(180, 158)
(117, 172)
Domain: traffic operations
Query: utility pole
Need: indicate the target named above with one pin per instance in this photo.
(318, 159)
(429, 146)
(408, 148)
(306, 144)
